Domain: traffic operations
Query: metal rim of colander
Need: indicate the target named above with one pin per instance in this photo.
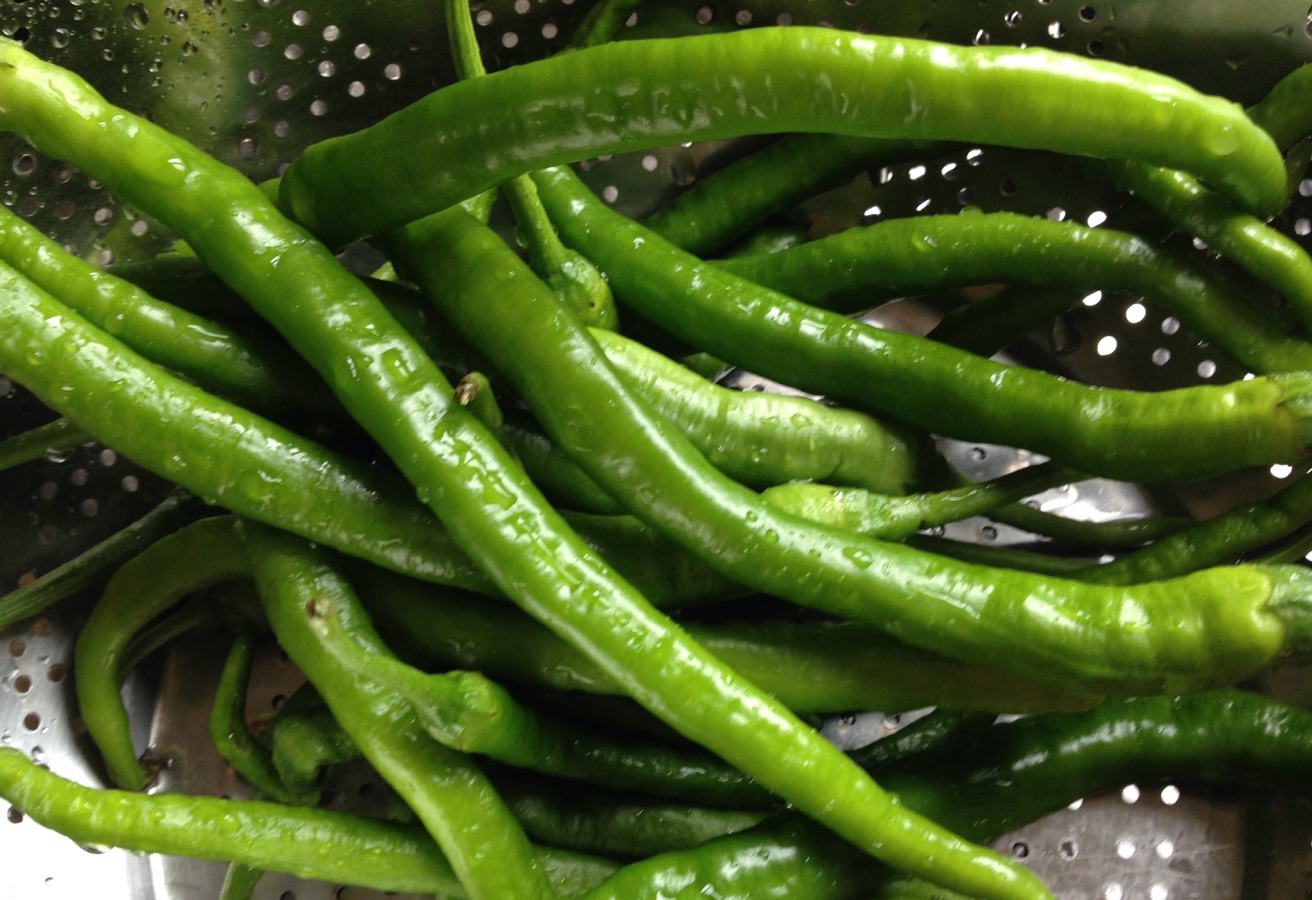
(254, 81)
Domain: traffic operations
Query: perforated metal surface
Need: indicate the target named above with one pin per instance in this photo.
(254, 81)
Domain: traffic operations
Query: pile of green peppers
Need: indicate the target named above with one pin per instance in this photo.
(456, 488)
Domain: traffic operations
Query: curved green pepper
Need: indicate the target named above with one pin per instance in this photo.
(1183, 434)
(632, 95)
(1150, 637)
(855, 269)
(387, 383)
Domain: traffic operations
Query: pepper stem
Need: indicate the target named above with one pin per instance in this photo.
(567, 272)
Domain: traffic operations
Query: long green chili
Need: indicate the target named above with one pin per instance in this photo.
(1042, 628)
(631, 95)
(269, 473)
(468, 712)
(811, 667)
(854, 269)
(567, 271)
(721, 207)
(896, 517)
(311, 843)
(387, 383)
(142, 588)
(1285, 112)
(305, 600)
(616, 824)
(228, 729)
(1220, 539)
(256, 371)
(1182, 434)
(1276, 259)
(761, 438)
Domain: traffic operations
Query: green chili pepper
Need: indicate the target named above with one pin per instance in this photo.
(1220, 539)
(399, 397)
(305, 599)
(854, 268)
(615, 824)
(228, 731)
(811, 667)
(893, 518)
(239, 882)
(717, 209)
(1177, 546)
(303, 743)
(1264, 252)
(268, 473)
(1037, 764)
(1169, 435)
(1044, 629)
(257, 372)
(311, 843)
(468, 712)
(761, 439)
(142, 588)
(1293, 548)
(1000, 557)
(637, 94)
(1285, 113)
(784, 854)
(1089, 533)
(602, 23)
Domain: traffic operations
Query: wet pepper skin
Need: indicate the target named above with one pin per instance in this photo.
(395, 391)
(638, 94)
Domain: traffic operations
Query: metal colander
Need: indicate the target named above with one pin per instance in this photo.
(255, 81)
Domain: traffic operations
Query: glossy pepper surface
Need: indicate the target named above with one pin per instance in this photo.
(637, 94)
(1182, 434)
(1163, 636)
(396, 393)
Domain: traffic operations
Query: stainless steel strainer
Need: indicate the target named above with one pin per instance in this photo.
(254, 81)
